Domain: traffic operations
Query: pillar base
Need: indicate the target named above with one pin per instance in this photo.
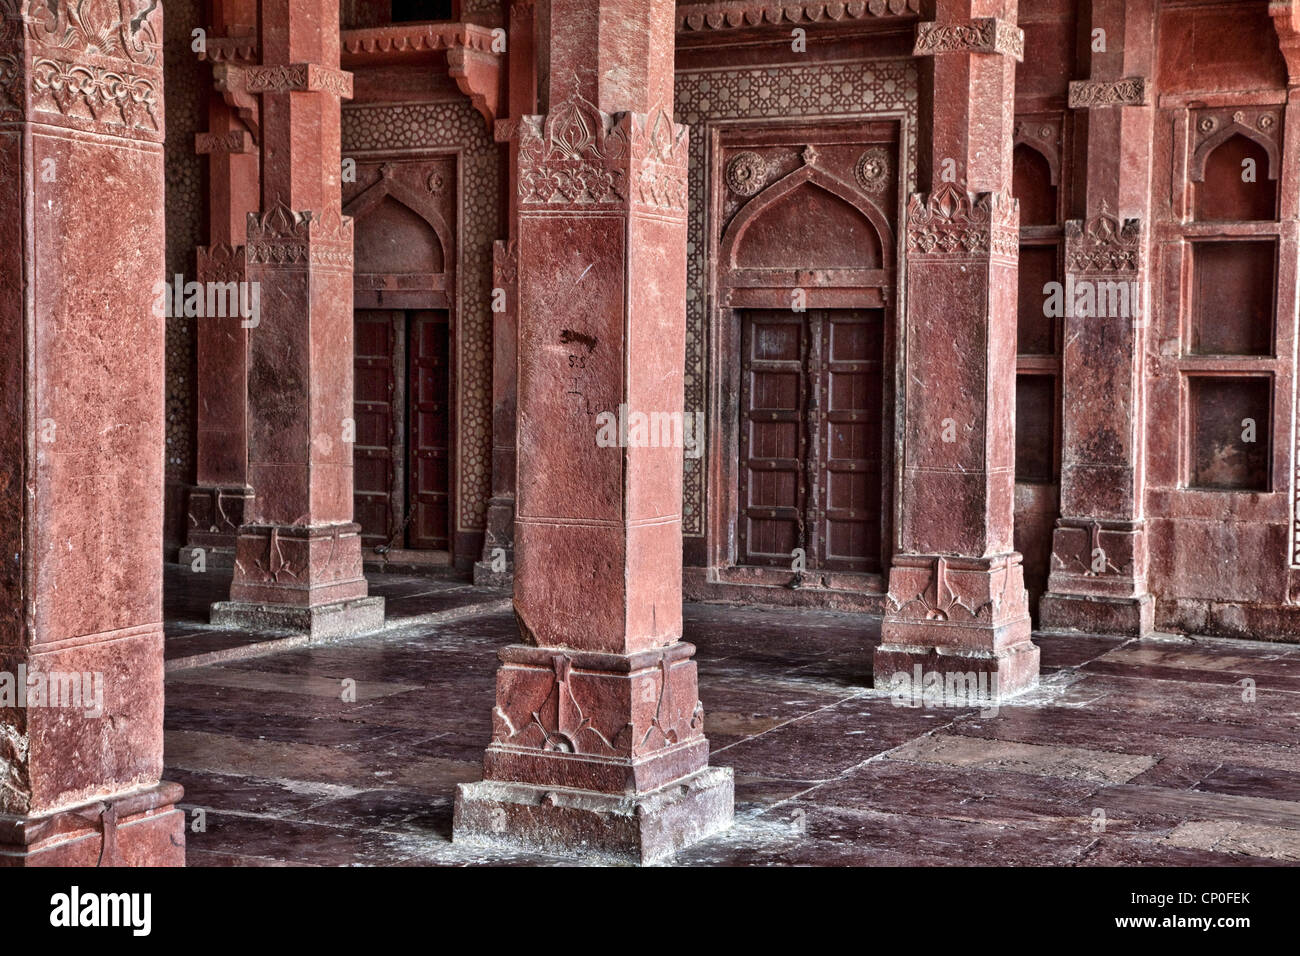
(341, 619)
(641, 828)
(498, 543)
(212, 557)
(997, 674)
(214, 515)
(485, 577)
(144, 828)
(1130, 617)
(954, 616)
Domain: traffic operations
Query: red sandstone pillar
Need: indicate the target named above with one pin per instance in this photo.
(497, 564)
(217, 503)
(81, 439)
(298, 556)
(1098, 579)
(957, 601)
(598, 739)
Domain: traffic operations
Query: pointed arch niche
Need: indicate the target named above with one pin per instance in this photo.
(803, 228)
(404, 248)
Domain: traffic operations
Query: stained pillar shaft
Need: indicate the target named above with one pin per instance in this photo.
(221, 495)
(1098, 578)
(298, 556)
(497, 564)
(957, 601)
(598, 730)
(81, 439)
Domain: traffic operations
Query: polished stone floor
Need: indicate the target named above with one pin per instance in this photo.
(1165, 751)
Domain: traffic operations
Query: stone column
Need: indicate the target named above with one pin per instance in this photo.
(497, 564)
(298, 556)
(598, 739)
(1098, 579)
(81, 438)
(221, 495)
(957, 603)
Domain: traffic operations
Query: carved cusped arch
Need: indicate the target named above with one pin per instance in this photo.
(1222, 135)
(387, 190)
(822, 248)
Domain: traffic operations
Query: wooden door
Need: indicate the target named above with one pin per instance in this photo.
(848, 415)
(429, 442)
(773, 438)
(375, 391)
(811, 407)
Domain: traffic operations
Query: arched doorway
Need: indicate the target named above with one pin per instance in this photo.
(404, 327)
(805, 281)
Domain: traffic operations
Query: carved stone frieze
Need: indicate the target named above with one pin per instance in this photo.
(748, 14)
(951, 223)
(298, 78)
(281, 236)
(981, 35)
(94, 95)
(1103, 244)
(1088, 94)
(118, 29)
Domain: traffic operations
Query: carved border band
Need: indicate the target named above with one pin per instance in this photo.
(298, 78)
(981, 35)
(951, 224)
(1103, 245)
(1130, 91)
(698, 17)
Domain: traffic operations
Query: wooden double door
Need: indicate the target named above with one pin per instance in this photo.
(811, 439)
(402, 454)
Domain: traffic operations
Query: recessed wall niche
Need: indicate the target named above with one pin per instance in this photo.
(1232, 297)
(1230, 431)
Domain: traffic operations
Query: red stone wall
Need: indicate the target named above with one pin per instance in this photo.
(1223, 559)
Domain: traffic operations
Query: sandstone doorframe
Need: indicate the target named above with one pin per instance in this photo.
(818, 286)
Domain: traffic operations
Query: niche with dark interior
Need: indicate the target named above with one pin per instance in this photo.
(1035, 428)
(1031, 183)
(1230, 419)
(1233, 285)
(358, 14)
(1224, 195)
(406, 11)
(1035, 331)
